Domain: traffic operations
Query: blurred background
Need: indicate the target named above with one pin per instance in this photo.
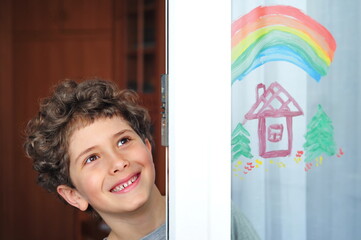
(43, 42)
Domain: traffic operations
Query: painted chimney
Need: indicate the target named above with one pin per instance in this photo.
(261, 89)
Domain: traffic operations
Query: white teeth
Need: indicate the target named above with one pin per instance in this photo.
(127, 184)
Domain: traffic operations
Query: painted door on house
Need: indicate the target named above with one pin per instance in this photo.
(295, 117)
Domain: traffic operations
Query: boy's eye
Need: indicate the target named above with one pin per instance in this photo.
(123, 141)
(91, 159)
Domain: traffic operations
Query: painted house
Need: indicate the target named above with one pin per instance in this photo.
(274, 108)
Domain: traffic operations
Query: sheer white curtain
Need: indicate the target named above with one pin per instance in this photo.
(291, 196)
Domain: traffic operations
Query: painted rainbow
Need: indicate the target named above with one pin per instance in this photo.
(280, 33)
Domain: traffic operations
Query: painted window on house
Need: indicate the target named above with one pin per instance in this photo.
(275, 132)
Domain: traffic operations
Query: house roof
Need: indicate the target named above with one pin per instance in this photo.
(273, 102)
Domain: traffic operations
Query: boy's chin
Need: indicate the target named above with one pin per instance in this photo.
(138, 203)
(134, 205)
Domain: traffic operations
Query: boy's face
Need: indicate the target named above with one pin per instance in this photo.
(111, 167)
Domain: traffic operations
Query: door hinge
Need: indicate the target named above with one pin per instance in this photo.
(164, 107)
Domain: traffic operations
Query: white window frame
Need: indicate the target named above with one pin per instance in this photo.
(199, 54)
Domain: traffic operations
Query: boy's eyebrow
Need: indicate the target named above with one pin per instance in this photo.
(93, 147)
(122, 132)
(84, 152)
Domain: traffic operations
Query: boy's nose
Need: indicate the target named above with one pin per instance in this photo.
(118, 164)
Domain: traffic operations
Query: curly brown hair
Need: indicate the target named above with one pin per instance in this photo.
(71, 106)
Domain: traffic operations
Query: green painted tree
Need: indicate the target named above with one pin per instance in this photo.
(240, 143)
(319, 136)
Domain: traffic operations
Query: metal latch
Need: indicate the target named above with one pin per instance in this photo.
(164, 107)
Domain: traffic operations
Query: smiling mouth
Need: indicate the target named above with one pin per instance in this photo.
(126, 184)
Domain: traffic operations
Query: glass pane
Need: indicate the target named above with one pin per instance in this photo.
(149, 28)
(149, 73)
(132, 32)
(295, 113)
(132, 5)
(132, 72)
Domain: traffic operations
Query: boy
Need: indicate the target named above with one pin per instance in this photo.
(91, 143)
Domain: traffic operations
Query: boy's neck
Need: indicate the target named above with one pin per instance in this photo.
(140, 223)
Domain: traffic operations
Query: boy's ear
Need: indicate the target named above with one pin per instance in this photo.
(73, 197)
